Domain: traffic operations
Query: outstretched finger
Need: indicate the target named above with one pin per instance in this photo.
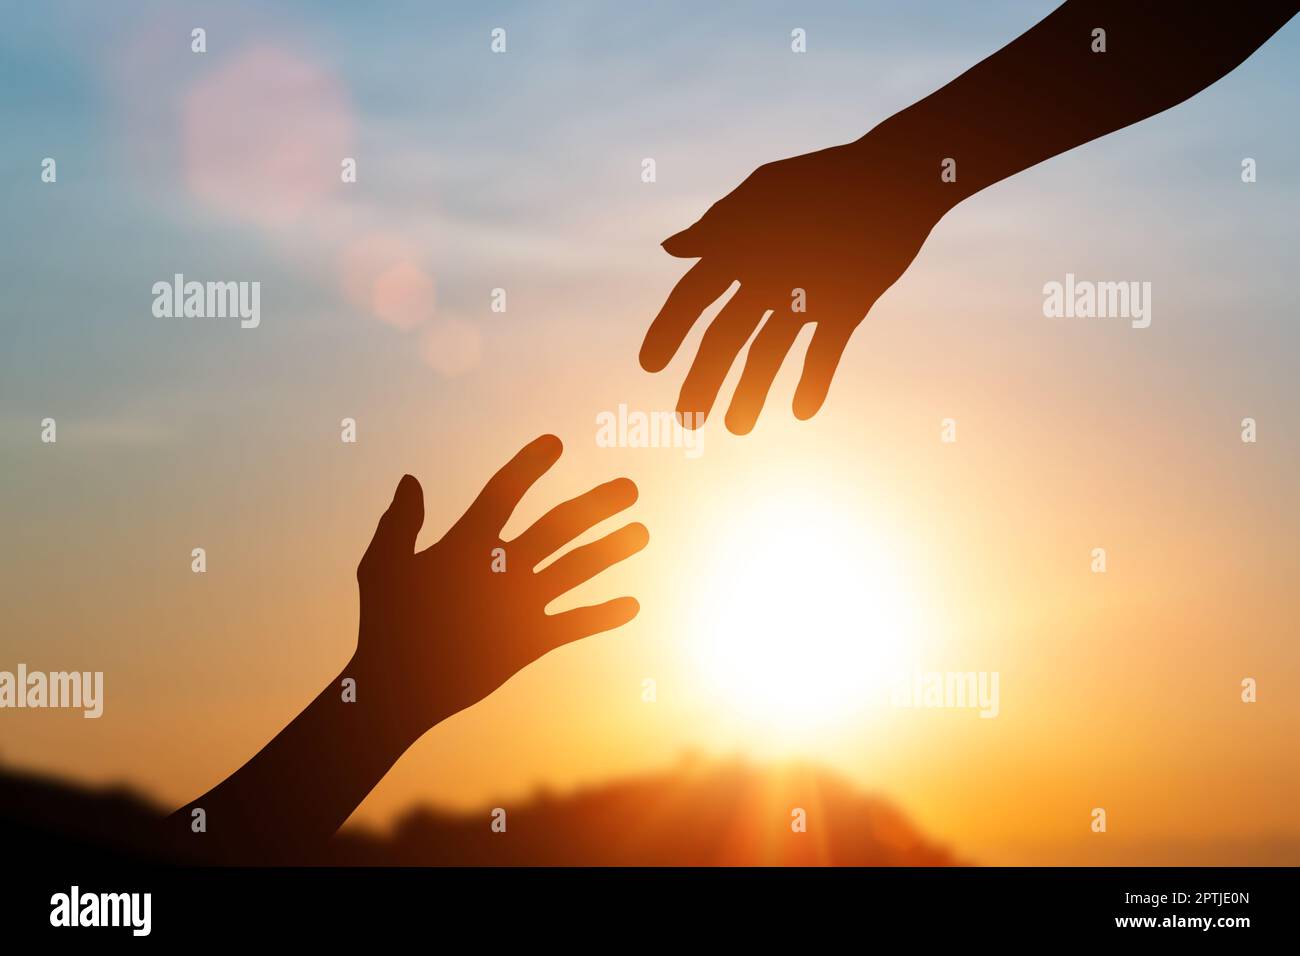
(694, 292)
(585, 621)
(762, 363)
(582, 564)
(495, 503)
(824, 352)
(719, 347)
(566, 521)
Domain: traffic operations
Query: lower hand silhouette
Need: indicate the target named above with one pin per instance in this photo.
(444, 627)
(440, 629)
(841, 224)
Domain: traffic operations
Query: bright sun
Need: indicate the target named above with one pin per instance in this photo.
(804, 617)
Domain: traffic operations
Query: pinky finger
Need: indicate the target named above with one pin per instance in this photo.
(585, 621)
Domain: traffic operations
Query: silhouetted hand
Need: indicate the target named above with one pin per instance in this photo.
(842, 224)
(444, 627)
(440, 629)
(827, 231)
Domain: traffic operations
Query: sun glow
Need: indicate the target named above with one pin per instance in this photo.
(804, 617)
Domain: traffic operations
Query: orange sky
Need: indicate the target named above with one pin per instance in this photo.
(1118, 690)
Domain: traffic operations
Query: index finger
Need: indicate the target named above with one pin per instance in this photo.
(694, 293)
(499, 497)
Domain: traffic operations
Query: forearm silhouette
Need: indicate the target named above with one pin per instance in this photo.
(842, 224)
(440, 629)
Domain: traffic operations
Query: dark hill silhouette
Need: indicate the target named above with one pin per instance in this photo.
(697, 814)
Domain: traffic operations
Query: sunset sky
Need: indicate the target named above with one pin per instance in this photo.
(476, 171)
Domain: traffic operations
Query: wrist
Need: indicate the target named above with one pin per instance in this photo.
(910, 153)
(379, 712)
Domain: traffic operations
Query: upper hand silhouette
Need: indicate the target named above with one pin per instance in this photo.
(441, 629)
(840, 224)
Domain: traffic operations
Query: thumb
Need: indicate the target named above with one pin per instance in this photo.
(400, 524)
(687, 244)
(698, 239)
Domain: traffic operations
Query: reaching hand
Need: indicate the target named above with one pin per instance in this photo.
(441, 629)
(841, 224)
